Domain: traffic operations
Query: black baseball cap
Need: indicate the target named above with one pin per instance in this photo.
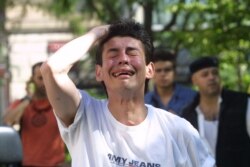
(203, 62)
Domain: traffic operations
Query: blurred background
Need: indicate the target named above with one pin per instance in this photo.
(32, 30)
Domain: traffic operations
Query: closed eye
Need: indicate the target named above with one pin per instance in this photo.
(132, 51)
(112, 52)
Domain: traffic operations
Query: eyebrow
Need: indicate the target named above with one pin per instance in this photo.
(112, 49)
(132, 48)
(129, 48)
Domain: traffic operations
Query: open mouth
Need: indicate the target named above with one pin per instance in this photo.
(123, 73)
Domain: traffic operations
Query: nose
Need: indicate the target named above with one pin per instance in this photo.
(123, 58)
(212, 75)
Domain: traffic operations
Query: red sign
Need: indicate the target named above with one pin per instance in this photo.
(55, 45)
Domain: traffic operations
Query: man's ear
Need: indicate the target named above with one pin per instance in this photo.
(32, 78)
(193, 79)
(98, 73)
(150, 70)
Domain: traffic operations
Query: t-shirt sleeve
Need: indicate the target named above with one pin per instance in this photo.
(66, 132)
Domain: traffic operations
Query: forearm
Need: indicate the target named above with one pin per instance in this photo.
(70, 53)
(61, 91)
(13, 115)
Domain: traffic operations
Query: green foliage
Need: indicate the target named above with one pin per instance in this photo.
(75, 26)
(218, 28)
(208, 27)
(235, 70)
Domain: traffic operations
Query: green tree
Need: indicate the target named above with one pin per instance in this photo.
(204, 27)
(218, 28)
(207, 27)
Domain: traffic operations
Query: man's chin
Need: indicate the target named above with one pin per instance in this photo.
(42, 93)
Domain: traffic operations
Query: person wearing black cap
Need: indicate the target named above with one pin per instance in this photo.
(221, 116)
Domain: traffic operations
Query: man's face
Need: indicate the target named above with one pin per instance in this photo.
(207, 80)
(164, 74)
(124, 65)
(38, 81)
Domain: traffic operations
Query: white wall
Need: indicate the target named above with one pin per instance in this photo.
(26, 50)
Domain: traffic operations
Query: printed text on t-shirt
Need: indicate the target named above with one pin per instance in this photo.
(124, 162)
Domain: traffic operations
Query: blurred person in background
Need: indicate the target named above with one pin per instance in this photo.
(41, 140)
(221, 116)
(16, 108)
(167, 94)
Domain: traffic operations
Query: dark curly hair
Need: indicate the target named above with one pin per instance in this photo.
(130, 28)
(161, 54)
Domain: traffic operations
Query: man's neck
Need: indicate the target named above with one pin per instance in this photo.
(39, 96)
(210, 106)
(165, 93)
(128, 111)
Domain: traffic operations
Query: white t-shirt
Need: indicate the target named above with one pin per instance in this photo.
(97, 139)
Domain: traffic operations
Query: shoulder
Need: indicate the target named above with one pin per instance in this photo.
(15, 103)
(149, 93)
(231, 95)
(148, 96)
(182, 89)
(90, 102)
(189, 111)
(233, 92)
(84, 95)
